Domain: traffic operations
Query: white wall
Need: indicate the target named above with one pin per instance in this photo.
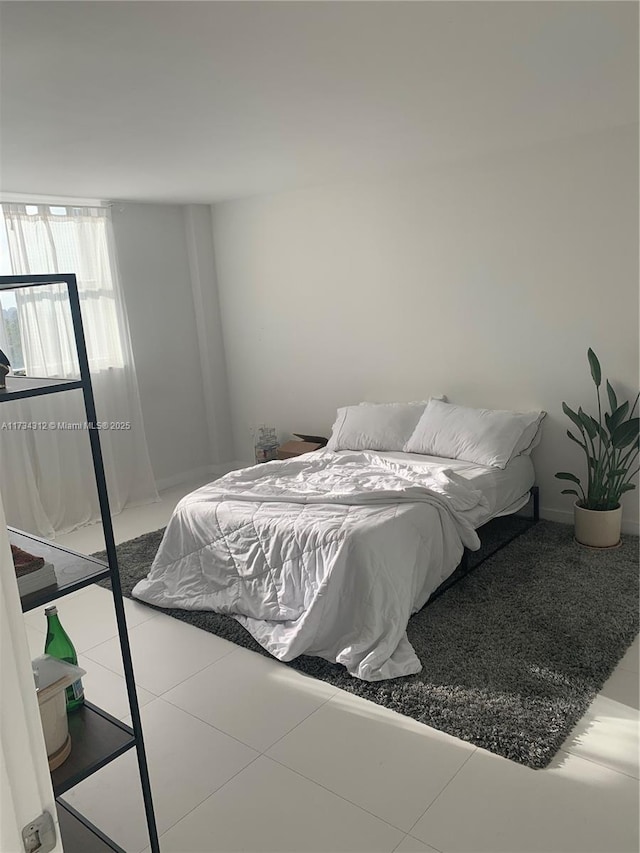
(154, 266)
(486, 281)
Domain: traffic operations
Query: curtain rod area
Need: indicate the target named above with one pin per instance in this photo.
(52, 200)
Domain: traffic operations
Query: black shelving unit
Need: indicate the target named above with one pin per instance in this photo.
(97, 737)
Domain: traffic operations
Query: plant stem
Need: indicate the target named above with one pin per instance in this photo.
(611, 466)
(591, 478)
(632, 475)
(600, 471)
(625, 464)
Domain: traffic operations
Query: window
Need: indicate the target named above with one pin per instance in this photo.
(36, 323)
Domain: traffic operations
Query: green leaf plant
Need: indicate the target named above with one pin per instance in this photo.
(610, 444)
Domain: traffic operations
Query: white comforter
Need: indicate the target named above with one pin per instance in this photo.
(324, 555)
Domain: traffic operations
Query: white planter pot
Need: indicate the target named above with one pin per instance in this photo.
(598, 528)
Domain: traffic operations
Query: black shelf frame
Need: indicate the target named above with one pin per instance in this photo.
(23, 387)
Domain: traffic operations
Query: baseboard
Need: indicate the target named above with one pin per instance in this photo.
(560, 515)
(212, 471)
(565, 516)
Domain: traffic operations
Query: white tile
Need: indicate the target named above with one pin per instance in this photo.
(131, 522)
(622, 687)
(497, 806)
(89, 617)
(134, 521)
(412, 845)
(108, 690)
(251, 697)
(35, 639)
(631, 660)
(609, 733)
(187, 760)
(390, 765)
(269, 808)
(165, 651)
(85, 540)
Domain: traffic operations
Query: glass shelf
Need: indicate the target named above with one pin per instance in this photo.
(73, 571)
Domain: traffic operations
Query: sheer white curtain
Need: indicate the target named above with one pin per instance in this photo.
(46, 475)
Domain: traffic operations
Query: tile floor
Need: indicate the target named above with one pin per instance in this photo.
(248, 755)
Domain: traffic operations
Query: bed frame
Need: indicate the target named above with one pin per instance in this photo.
(465, 567)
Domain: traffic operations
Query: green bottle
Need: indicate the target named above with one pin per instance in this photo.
(58, 645)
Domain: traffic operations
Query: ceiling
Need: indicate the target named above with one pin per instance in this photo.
(204, 101)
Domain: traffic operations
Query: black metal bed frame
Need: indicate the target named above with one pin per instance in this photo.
(464, 567)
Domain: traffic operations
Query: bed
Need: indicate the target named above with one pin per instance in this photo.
(331, 552)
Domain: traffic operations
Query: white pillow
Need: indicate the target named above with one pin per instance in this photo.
(473, 435)
(375, 426)
(530, 438)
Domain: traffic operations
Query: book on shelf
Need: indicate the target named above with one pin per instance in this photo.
(37, 580)
(32, 572)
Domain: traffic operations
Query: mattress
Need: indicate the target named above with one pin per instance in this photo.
(506, 490)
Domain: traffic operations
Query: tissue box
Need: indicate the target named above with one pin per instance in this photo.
(52, 678)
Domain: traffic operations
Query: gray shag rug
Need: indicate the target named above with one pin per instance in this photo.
(513, 654)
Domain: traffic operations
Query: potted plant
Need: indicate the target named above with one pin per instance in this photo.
(611, 449)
